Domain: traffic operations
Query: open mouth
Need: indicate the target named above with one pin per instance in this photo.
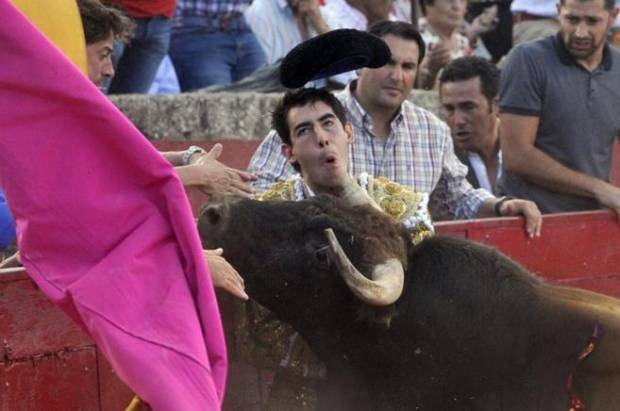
(330, 159)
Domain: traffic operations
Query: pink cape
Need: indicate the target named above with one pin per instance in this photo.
(104, 225)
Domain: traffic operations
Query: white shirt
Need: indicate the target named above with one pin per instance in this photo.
(339, 14)
(481, 170)
(274, 25)
(401, 9)
(546, 8)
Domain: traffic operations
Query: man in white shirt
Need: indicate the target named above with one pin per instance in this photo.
(468, 89)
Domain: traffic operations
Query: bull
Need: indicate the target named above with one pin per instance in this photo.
(448, 324)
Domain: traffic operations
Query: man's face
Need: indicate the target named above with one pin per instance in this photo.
(388, 86)
(584, 26)
(319, 145)
(447, 14)
(99, 59)
(471, 119)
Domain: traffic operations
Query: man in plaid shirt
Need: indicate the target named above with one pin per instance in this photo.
(399, 141)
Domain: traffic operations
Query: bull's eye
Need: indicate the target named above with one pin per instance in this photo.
(321, 254)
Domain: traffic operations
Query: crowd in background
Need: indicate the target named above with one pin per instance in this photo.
(185, 45)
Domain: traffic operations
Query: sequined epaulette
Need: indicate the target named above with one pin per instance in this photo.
(405, 205)
(279, 191)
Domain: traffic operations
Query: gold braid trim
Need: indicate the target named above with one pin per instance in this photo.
(402, 204)
(279, 191)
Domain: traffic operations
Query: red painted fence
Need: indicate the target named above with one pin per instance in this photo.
(47, 363)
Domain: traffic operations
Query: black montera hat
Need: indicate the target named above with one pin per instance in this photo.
(335, 52)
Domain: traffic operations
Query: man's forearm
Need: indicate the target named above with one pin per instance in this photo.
(174, 157)
(538, 167)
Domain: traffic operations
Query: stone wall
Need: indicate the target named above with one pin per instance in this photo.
(204, 116)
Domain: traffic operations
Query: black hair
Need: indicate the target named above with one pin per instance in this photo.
(299, 98)
(466, 68)
(400, 29)
(100, 20)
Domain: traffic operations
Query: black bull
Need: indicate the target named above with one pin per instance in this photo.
(472, 330)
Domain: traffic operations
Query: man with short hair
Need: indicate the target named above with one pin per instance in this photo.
(102, 26)
(468, 90)
(559, 102)
(316, 136)
(400, 141)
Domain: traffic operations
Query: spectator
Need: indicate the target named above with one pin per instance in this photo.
(279, 25)
(468, 90)
(558, 109)
(441, 31)
(397, 140)
(497, 41)
(533, 19)
(102, 26)
(212, 44)
(138, 61)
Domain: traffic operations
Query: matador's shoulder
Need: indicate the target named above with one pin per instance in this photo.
(279, 191)
(405, 205)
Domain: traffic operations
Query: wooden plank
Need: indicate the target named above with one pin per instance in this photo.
(115, 395)
(66, 380)
(31, 325)
(573, 246)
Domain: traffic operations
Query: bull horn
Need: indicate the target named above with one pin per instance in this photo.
(387, 281)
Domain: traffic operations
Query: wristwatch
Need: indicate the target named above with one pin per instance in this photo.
(499, 203)
(187, 155)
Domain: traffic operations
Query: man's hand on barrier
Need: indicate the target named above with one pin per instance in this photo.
(609, 196)
(528, 209)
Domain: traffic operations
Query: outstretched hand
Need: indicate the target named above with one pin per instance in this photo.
(214, 177)
(224, 275)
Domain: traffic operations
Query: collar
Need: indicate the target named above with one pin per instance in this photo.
(567, 59)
